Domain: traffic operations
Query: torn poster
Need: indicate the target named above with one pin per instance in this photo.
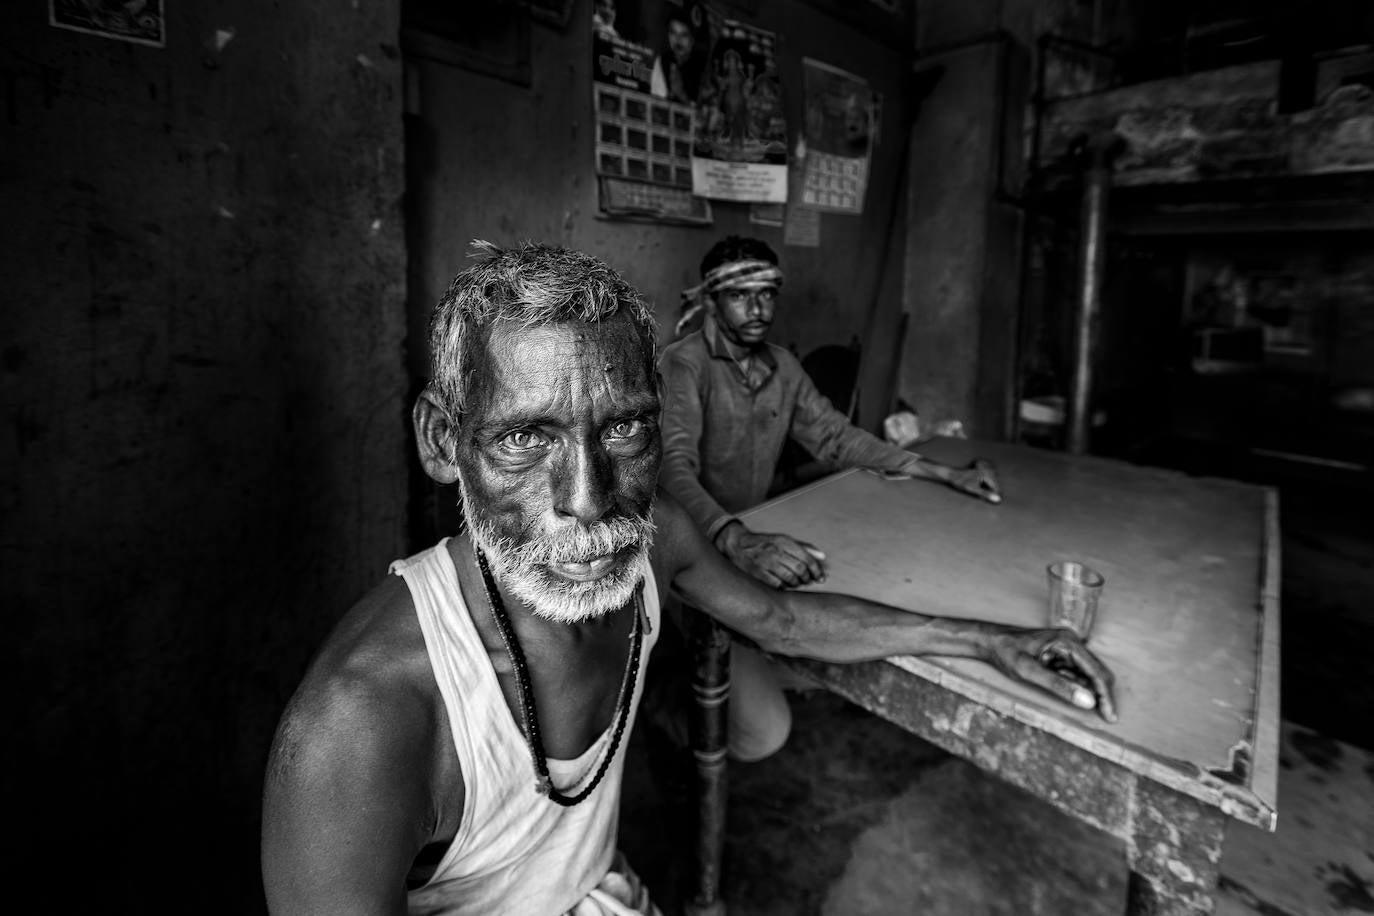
(840, 120)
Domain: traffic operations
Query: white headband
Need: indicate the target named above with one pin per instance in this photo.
(749, 274)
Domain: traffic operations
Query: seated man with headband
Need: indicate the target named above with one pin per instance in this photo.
(731, 401)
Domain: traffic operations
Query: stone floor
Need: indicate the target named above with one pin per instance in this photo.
(857, 817)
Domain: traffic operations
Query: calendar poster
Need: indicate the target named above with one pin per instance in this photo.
(647, 60)
(840, 132)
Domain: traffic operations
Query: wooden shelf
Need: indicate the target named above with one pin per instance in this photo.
(1330, 202)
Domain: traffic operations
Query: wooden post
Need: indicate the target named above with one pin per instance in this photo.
(1098, 153)
(710, 690)
(1174, 852)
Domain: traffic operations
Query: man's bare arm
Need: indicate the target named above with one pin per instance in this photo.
(346, 805)
(844, 628)
(977, 478)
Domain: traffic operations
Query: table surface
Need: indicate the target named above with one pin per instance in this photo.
(1188, 618)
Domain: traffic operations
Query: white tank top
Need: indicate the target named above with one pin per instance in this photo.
(515, 851)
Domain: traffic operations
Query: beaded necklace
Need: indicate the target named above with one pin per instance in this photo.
(543, 784)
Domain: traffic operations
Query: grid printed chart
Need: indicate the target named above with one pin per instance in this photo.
(833, 182)
(644, 138)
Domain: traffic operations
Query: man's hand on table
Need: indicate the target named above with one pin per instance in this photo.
(1056, 661)
(978, 478)
(773, 559)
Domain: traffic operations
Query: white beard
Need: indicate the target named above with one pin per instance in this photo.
(524, 570)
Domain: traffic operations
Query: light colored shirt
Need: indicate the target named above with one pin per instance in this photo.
(725, 420)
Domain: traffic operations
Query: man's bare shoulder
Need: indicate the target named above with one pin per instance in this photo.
(369, 691)
(357, 767)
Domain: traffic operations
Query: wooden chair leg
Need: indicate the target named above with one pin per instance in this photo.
(711, 691)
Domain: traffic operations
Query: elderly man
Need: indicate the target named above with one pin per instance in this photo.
(732, 400)
(457, 744)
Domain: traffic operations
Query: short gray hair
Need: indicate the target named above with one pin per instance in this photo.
(530, 284)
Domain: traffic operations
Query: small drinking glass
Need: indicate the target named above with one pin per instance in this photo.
(1074, 590)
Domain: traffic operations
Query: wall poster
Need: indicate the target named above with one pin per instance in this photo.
(647, 61)
(841, 116)
(739, 147)
(138, 22)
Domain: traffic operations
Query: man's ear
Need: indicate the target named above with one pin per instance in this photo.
(436, 437)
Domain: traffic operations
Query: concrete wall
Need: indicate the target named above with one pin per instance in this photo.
(204, 392)
(963, 236)
(506, 162)
(963, 274)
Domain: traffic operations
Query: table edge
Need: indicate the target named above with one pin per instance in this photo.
(1264, 781)
(1187, 778)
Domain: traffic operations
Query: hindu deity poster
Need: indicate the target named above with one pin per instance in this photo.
(739, 143)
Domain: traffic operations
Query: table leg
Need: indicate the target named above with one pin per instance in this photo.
(711, 690)
(1174, 852)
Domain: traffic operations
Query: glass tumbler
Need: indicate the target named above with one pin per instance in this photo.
(1074, 592)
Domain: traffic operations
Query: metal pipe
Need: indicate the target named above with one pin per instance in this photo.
(1098, 153)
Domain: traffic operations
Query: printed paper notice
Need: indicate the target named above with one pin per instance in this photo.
(803, 227)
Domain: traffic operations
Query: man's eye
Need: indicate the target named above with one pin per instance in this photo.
(625, 429)
(522, 440)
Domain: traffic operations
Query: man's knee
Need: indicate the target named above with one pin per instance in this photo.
(762, 737)
(760, 718)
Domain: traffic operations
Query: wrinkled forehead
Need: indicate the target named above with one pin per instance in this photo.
(517, 362)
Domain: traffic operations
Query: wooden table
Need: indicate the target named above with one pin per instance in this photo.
(1188, 622)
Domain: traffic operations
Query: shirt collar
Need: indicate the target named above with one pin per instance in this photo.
(720, 347)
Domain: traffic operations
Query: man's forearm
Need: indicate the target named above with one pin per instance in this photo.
(679, 477)
(842, 628)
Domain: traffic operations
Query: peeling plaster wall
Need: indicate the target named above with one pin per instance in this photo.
(204, 393)
(504, 162)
